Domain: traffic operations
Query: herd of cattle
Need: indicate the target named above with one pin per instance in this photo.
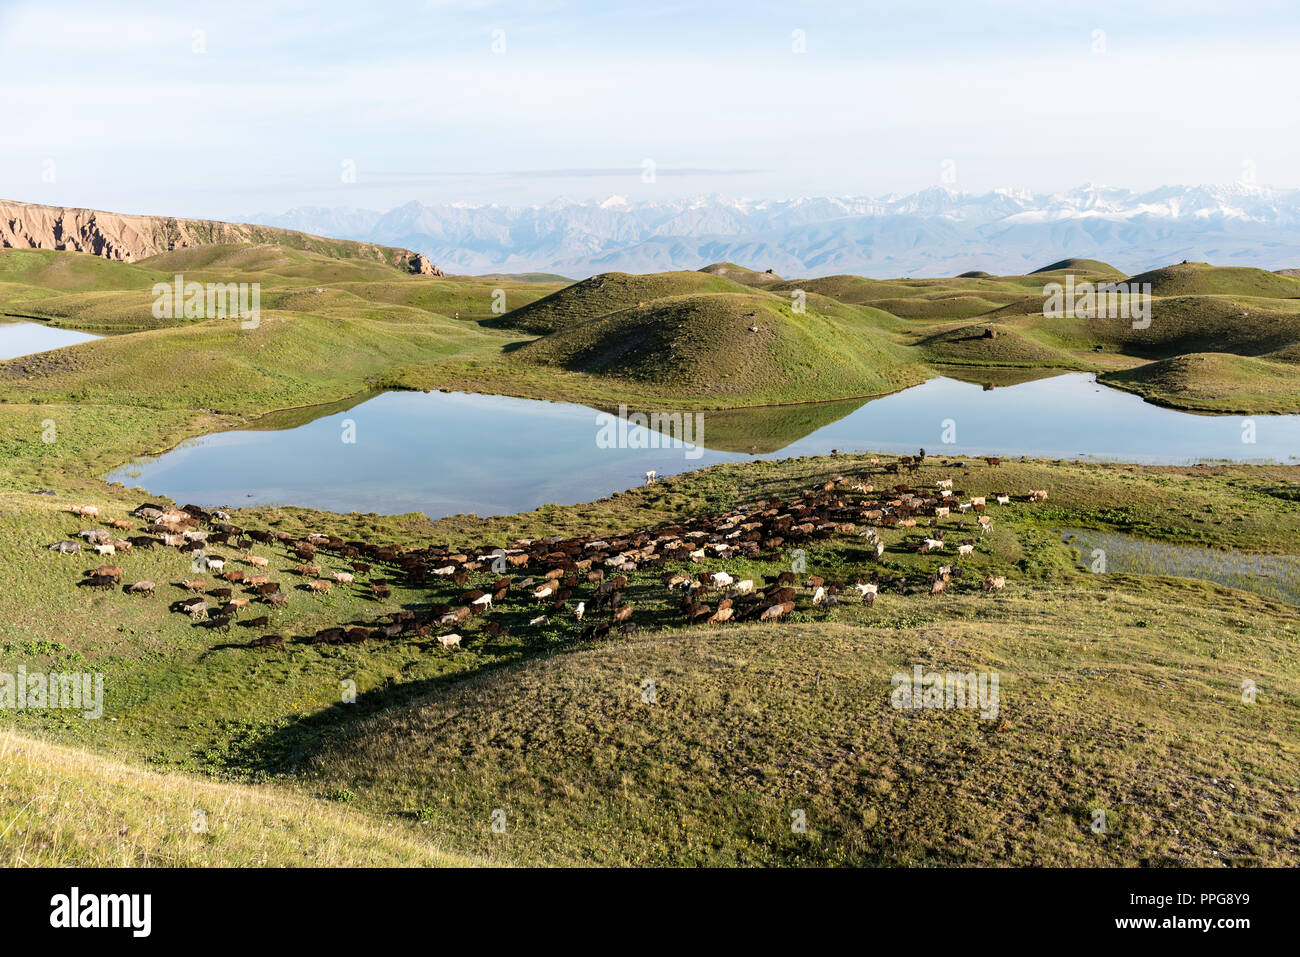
(540, 579)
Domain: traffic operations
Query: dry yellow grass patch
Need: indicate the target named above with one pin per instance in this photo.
(62, 806)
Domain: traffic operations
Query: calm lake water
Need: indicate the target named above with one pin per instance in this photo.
(24, 338)
(1273, 576)
(446, 453)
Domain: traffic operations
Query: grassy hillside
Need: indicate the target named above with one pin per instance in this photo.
(751, 724)
(67, 807)
(608, 293)
(1200, 279)
(753, 721)
(727, 344)
(648, 340)
(1091, 268)
(968, 345)
(1212, 381)
(741, 274)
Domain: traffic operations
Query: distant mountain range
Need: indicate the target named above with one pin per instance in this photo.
(935, 232)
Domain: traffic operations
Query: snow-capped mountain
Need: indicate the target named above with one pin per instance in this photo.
(934, 232)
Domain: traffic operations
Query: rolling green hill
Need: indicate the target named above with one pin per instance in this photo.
(752, 724)
(67, 807)
(728, 344)
(1212, 381)
(1200, 279)
(968, 345)
(608, 293)
(741, 274)
(1089, 267)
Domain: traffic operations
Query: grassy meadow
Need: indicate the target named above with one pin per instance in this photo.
(1120, 693)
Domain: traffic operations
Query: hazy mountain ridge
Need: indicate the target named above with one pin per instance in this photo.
(934, 232)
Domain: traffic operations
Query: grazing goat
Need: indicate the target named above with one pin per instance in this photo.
(141, 588)
(66, 548)
(993, 583)
(773, 612)
(448, 640)
(85, 511)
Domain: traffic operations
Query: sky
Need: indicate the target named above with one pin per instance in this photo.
(232, 108)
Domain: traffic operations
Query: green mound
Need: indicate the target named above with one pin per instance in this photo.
(1186, 324)
(606, 293)
(976, 274)
(942, 307)
(728, 344)
(741, 274)
(69, 272)
(1214, 382)
(1008, 347)
(854, 290)
(1202, 279)
(1075, 265)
